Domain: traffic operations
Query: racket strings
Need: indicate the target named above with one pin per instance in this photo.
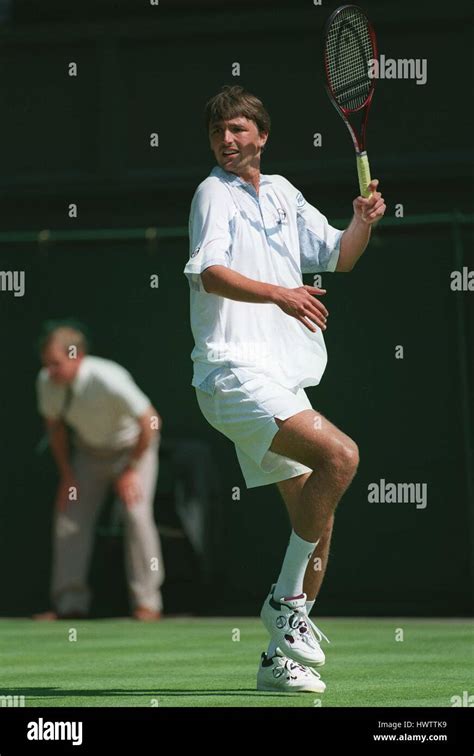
(349, 48)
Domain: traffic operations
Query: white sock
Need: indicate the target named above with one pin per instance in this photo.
(309, 606)
(272, 646)
(298, 554)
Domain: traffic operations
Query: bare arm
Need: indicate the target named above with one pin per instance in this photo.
(147, 434)
(353, 243)
(217, 279)
(355, 238)
(128, 484)
(59, 443)
(299, 303)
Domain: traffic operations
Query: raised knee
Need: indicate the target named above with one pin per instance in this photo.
(343, 459)
(352, 454)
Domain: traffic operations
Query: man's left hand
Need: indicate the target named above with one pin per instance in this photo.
(128, 487)
(370, 210)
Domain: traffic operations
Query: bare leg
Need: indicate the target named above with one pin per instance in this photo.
(308, 437)
(311, 499)
(291, 491)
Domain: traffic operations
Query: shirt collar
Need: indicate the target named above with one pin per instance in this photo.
(234, 180)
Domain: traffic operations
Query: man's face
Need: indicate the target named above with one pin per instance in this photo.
(238, 136)
(62, 369)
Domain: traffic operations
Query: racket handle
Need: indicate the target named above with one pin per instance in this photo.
(363, 171)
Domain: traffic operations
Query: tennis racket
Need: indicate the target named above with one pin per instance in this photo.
(349, 46)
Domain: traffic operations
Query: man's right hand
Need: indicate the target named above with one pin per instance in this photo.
(301, 304)
(64, 493)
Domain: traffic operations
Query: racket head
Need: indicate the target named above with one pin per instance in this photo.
(349, 46)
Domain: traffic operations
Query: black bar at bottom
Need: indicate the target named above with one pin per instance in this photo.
(133, 730)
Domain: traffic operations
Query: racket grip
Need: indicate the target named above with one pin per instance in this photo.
(363, 171)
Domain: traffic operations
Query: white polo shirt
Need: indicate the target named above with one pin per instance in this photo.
(272, 237)
(104, 405)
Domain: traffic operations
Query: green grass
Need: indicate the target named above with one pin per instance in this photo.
(196, 662)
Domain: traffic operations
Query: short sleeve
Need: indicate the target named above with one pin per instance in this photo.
(50, 400)
(128, 396)
(319, 242)
(210, 233)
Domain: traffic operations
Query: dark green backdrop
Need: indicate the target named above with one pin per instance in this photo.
(85, 140)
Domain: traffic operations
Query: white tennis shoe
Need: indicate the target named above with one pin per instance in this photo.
(287, 676)
(291, 629)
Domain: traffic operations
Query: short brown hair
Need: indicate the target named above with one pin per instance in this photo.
(66, 333)
(235, 101)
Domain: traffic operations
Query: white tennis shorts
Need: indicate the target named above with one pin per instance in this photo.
(242, 404)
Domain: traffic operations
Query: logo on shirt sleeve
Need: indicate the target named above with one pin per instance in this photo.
(300, 200)
(193, 254)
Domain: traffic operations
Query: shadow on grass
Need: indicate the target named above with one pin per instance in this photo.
(81, 693)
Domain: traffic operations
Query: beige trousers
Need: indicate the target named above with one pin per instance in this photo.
(74, 529)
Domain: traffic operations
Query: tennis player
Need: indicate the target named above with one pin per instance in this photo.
(258, 343)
